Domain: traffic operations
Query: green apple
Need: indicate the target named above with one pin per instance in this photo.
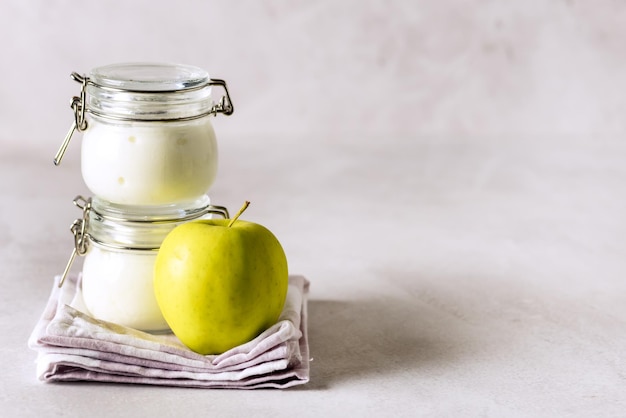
(220, 282)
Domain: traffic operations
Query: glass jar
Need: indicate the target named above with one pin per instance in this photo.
(147, 134)
(120, 245)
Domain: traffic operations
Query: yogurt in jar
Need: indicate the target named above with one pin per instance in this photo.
(147, 136)
(149, 163)
(117, 287)
(121, 249)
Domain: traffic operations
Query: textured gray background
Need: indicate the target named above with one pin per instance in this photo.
(458, 67)
(449, 175)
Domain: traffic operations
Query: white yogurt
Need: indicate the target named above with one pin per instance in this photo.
(117, 287)
(149, 163)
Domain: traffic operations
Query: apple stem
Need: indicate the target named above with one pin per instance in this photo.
(238, 214)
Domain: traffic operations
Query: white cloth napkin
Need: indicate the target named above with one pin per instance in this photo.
(73, 346)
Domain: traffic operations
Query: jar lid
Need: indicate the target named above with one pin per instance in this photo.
(149, 77)
(142, 228)
(152, 92)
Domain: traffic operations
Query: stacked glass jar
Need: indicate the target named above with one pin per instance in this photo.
(149, 156)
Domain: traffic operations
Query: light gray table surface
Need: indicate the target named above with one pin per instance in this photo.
(449, 277)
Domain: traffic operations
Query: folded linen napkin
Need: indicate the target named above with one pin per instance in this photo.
(73, 346)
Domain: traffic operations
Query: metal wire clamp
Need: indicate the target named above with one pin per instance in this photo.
(78, 229)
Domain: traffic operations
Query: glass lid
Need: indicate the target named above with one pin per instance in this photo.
(149, 77)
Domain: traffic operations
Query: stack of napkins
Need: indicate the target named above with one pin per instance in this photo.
(73, 346)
